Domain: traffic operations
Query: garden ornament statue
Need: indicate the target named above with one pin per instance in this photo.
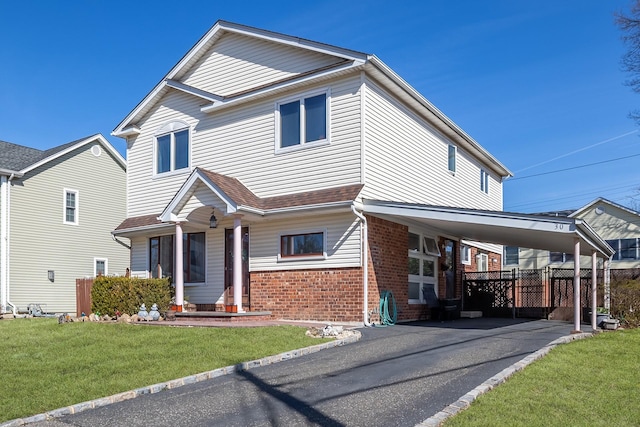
(143, 311)
(155, 315)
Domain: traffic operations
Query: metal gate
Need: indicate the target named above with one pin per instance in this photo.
(492, 292)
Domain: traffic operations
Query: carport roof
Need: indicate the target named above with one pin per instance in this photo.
(552, 233)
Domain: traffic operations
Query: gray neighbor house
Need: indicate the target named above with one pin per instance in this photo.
(57, 210)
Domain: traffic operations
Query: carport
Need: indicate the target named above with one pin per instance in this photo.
(552, 233)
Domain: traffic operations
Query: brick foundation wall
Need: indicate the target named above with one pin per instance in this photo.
(333, 295)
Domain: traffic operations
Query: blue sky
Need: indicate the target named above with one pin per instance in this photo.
(538, 84)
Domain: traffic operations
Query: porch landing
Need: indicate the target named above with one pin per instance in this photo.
(223, 316)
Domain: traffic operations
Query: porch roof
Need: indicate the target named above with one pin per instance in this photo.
(556, 234)
(238, 198)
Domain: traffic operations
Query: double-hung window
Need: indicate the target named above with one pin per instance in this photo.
(162, 256)
(172, 148)
(100, 267)
(484, 181)
(70, 207)
(302, 121)
(511, 255)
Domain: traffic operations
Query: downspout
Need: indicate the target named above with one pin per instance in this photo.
(115, 239)
(4, 243)
(365, 265)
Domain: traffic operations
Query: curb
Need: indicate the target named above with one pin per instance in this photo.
(465, 401)
(191, 379)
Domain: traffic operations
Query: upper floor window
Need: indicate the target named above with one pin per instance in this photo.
(452, 158)
(302, 121)
(484, 181)
(511, 255)
(626, 249)
(70, 207)
(172, 147)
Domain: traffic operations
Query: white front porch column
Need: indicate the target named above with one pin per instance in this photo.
(607, 285)
(576, 286)
(237, 262)
(594, 290)
(178, 270)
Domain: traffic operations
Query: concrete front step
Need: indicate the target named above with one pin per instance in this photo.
(222, 316)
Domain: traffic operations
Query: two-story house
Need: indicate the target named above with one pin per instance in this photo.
(275, 173)
(57, 210)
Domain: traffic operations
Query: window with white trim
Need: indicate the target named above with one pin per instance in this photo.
(511, 255)
(172, 148)
(162, 256)
(482, 260)
(302, 121)
(560, 257)
(302, 245)
(100, 267)
(465, 254)
(423, 254)
(626, 249)
(71, 201)
(451, 158)
(484, 181)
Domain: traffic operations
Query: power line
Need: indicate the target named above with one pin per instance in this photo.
(577, 151)
(572, 168)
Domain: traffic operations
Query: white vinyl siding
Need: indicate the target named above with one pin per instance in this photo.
(40, 241)
(407, 160)
(342, 243)
(237, 63)
(240, 143)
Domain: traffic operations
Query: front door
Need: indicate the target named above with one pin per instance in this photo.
(228, 267)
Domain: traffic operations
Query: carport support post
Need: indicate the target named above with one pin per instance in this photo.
(178, 271)
(576, 286)
(594, 290)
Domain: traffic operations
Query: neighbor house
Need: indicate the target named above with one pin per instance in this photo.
(273, 173)
(617, 224)
(57, 210)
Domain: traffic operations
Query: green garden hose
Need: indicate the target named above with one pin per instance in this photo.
(388, 317)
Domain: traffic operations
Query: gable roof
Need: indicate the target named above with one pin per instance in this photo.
(19, 159)
(346, 61)
(591, 204)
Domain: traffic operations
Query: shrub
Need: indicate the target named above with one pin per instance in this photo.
(126, 295)
(625, 302)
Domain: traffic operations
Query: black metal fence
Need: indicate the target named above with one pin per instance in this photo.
(536, 293)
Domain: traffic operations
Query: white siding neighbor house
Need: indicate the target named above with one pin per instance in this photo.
(57, 210)
(617, 224)
(272, 173)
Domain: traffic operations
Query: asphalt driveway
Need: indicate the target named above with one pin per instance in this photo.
(394, 376)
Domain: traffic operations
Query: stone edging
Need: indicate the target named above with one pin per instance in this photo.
(465, 401)
(192, 379)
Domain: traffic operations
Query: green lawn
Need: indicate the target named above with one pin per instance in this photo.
(591, 382)
(46, 366)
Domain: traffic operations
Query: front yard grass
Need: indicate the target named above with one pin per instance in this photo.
(590, 382)
(47, 366)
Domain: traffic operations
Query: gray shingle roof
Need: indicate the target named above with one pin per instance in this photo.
(16, 157)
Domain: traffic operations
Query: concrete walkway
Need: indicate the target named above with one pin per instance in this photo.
(404, 375)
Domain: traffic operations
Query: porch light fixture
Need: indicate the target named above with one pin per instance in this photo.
(213, 221)
(50, 275)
